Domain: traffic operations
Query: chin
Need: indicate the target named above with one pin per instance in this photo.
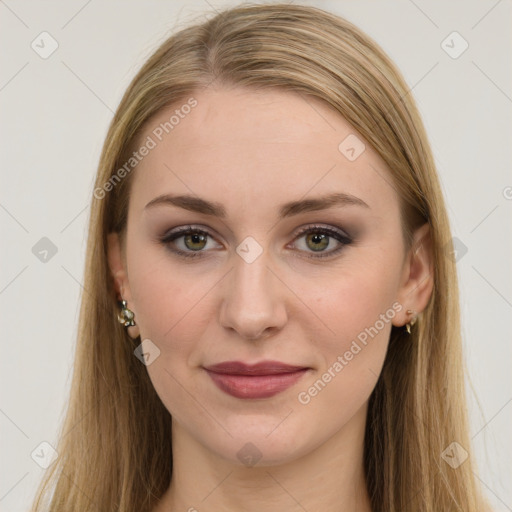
(262, 446)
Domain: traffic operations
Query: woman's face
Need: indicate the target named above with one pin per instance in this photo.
(256, 287)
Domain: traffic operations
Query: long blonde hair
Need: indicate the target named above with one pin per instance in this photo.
(115, 444)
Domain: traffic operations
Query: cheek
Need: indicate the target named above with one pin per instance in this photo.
(165, 296)
(359, 313)
(353, 302)
(356, 310)
(171, 311)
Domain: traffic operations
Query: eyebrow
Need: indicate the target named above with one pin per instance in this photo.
(198, 205)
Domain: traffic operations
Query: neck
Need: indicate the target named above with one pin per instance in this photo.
(329, 478)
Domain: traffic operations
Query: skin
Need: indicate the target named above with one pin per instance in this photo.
(252, 152)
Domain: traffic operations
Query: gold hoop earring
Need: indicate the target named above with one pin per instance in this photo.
(411, 322)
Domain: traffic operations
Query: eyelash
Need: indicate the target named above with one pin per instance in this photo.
(187, 230)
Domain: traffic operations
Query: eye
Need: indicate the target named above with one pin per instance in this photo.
(318, 239)
(195, 240)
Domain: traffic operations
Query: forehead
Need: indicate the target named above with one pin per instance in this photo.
(259, 149)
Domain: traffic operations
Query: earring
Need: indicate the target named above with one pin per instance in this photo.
(126, 316)
(411, 322)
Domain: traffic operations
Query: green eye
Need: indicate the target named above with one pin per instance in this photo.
(192, 241)
(318, 239)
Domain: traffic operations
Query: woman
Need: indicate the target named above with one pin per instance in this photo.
(271, 319)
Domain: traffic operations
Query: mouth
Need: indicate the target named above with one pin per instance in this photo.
(261, 380)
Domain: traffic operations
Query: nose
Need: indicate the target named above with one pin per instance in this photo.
(253, 299)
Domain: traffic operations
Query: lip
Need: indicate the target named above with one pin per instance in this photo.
(260, 380)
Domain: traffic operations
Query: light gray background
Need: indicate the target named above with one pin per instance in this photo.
(55, 113)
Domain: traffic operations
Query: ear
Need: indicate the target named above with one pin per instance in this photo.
(117, 265)
(417, 279)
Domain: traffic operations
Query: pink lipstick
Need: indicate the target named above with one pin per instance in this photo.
(261, 380)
